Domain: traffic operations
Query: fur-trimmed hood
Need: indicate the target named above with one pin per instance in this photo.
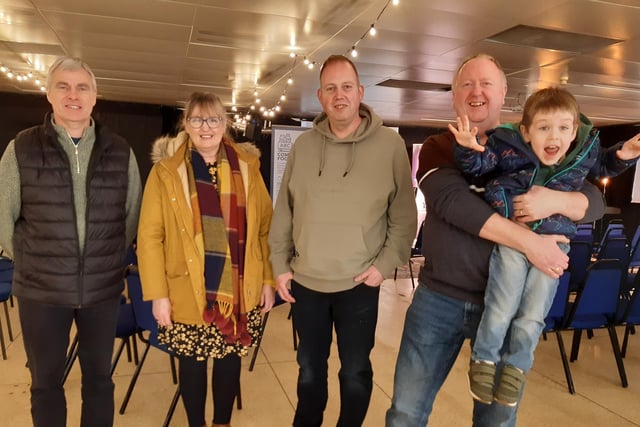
(166, 146)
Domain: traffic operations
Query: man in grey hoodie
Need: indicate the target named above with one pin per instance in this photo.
(345, 218)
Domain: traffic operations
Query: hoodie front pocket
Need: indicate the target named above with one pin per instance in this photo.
(330, 251)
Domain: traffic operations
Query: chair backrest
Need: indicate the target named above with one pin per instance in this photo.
(634, 258)
(131, 258)
(614, 229)
(6, 277)
(629, 310)
(579, 261)
(556, 315)
(597, 300)
(584, 233)
(142, 310)
(615, 248)
(127, 325)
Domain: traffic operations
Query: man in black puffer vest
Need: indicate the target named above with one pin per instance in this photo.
(68, 210)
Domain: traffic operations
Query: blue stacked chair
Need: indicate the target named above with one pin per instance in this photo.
(596, 306)
(6, 277)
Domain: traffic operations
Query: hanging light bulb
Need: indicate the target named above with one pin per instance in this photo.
(372, 30)
(283, 97)
(306, 61)
(3, 69)
(257, 100)
(310, 65)
(395, 2)
(354, 52)
(290, 80)
(292, 55)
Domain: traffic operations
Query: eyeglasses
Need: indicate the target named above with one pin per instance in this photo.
(197, 122)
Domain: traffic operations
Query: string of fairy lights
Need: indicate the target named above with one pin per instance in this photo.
(257, 107)
(30, 77)
(268, 113)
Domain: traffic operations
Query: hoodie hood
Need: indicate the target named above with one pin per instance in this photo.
(371, 122)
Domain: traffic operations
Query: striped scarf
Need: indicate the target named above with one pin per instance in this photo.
(220, 232)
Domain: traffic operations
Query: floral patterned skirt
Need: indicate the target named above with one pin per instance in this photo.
(206, 341)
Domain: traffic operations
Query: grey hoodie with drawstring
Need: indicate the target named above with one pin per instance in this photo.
(343, 205)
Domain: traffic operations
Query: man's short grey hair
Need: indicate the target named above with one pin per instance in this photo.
(478, 56)
(70, 63)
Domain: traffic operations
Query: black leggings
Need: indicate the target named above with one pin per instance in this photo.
(225, 380)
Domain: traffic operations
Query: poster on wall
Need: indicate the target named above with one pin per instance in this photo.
(635, 193)
(282, 139)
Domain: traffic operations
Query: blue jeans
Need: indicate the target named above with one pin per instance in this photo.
(518, 296)
(45, 332)
(354, 314)
(435, 328)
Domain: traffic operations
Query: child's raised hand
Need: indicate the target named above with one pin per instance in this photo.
(465, 135)
(630, 149)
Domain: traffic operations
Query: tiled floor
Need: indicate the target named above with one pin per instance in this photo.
(269, 391)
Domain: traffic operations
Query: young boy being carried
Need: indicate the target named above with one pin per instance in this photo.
(556, 147)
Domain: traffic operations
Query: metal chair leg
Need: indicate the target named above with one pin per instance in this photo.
(172, 407)
(6, 313)
(616, 353)
(259, 341)
(575, 345)
(2, 344)
(72, 355)
(134, 379)
(565, 364)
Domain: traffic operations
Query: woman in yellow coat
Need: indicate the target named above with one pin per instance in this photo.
(203, 254)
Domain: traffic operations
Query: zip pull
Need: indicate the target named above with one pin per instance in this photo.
(77, 159)
(75, 146)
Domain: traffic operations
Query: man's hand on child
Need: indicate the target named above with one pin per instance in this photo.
(465, 135)
(630, 149)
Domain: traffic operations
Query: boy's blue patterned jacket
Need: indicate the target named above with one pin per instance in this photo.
(515, 168)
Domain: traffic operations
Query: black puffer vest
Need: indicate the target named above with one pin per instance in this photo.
(48, 265)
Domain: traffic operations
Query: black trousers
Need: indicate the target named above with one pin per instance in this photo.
(354, 315)
(45, 332)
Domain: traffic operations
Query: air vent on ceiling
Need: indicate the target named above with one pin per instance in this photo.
(411, 84)
(524, 35)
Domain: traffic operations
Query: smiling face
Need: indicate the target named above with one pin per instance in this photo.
(207, 137)
(72, 97)
(478, 92)
(340, 95)
(550, 135)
